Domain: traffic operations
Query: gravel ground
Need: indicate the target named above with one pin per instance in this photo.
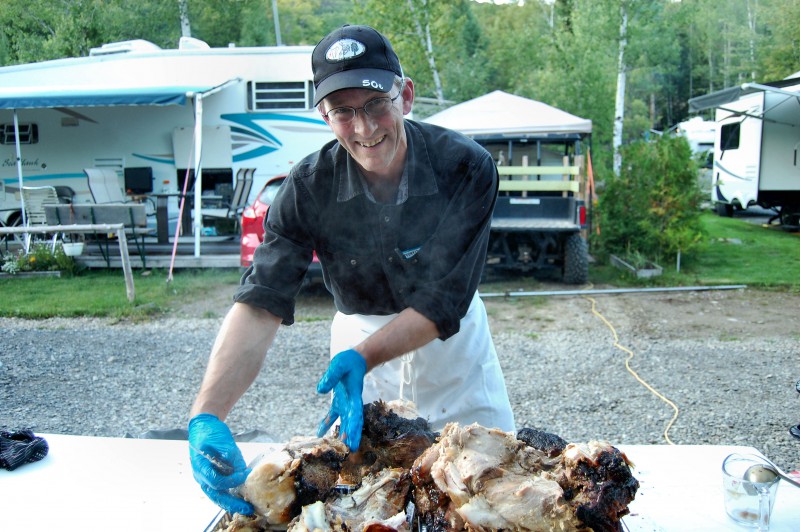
(727, 361)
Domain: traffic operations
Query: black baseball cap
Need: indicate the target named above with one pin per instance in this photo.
(353, 57)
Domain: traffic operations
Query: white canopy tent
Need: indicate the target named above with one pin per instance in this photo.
(501, 113)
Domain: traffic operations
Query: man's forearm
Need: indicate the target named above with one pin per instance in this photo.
(407, 332)
(236, 358)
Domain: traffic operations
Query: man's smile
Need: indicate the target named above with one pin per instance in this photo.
(372, 144)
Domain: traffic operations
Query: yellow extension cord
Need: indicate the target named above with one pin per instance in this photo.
(635, 375)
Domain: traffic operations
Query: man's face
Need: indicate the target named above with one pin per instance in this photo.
(377, 144)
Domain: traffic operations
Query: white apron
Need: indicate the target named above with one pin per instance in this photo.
(458, 379)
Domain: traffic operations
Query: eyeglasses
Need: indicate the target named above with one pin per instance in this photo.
(375, 108)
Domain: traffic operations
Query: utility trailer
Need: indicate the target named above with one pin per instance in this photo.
(756, 147)
(540, 217)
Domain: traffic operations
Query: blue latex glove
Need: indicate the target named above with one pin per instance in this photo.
(210, 436)
(345, 376)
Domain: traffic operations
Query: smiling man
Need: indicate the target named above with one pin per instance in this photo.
(399, 215)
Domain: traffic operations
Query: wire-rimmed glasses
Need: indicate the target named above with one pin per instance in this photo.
(375, 108)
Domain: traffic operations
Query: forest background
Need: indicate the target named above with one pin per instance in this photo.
(572, 54)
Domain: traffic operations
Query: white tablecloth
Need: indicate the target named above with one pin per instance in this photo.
(129, 484)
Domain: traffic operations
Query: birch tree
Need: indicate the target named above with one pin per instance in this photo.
(183, 9)
(619, 102)
(423, 28)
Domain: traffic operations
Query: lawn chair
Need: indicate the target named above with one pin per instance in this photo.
(104, 185)
(106, 189)
(238, 202)
(35, 199)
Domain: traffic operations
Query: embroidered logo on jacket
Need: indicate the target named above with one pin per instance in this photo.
(410, 252)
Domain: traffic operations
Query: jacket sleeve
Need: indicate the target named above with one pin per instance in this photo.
(281, 261)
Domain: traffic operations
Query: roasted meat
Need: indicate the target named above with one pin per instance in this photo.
(466, 478)
(485, 479)
(393, 436)
(378, 504)
(303, 472)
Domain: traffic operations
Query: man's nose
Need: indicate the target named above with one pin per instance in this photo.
(363, 123)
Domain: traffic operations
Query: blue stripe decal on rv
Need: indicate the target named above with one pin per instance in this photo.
(28, 178)
(248, 121)
(252, 154)
(722, 168)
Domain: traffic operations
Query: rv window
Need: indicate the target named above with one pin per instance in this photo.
(277, 96)
(28, 134)
(729, 137)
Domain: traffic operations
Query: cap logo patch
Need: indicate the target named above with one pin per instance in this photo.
(344, 50)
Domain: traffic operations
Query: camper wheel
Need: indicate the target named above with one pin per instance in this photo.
(724, 209)
(790, 216)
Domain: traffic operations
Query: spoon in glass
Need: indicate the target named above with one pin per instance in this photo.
(766, 474)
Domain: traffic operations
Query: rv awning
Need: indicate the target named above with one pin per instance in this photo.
(82, 96)
(726, 96)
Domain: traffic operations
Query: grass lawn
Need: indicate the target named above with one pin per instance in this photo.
(734, 252)
(102, 293)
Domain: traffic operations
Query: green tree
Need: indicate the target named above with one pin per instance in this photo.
(780, 46)
(652, 209)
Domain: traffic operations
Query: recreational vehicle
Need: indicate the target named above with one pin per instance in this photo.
(756, 147)
(156, 117)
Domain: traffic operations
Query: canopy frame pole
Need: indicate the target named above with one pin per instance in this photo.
(198, 172)
(27, 237)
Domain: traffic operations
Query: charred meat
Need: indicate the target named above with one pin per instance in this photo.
(405, 476)
(476, 478)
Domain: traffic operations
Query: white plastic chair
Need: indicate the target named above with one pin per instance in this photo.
(35, 199)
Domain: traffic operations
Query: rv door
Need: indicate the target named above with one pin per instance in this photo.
(737, 152)
(216, 152)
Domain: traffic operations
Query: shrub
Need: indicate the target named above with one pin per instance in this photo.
(652, 209)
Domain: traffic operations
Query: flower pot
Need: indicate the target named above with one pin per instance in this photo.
(72, 249)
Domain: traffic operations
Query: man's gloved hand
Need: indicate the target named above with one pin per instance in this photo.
(345, 376)
(211, 437)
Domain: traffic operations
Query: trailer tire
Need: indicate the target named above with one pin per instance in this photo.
(576, 260)
(724, 209)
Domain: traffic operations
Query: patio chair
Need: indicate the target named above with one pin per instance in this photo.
(106, 189)
(104, 185)
(35, 199)
(238, 202)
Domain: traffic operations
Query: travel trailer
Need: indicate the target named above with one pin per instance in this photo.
(699, 133)
(156, 116)
(756, 147)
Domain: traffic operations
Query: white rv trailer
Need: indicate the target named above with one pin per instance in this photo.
(699, 133)
(756, 159)
(137, 108)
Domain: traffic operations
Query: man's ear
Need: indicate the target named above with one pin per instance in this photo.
(408, 95)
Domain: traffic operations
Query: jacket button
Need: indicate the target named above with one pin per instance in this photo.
(386, 219)
(353, 262)
(391, 259)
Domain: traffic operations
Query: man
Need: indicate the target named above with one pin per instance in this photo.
(398, 213)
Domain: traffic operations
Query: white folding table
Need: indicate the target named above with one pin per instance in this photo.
(135, 484)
